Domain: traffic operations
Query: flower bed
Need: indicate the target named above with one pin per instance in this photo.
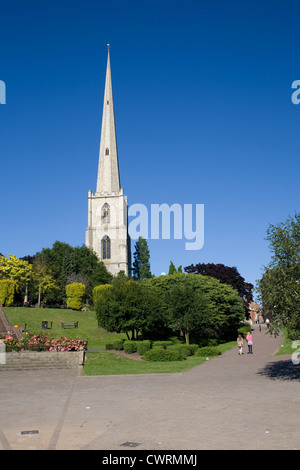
(42, 342)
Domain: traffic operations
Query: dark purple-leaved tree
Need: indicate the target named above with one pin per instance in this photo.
(226, 275)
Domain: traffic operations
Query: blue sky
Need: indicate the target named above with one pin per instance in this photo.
(202, 95)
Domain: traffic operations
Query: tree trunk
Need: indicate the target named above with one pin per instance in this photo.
(39, 299)
(187, 337)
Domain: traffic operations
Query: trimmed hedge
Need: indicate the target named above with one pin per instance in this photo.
(143, 346)
(181, 349)
(118, 345)
(163, 355)
(207, 342)
(162, 344)
(208, 351)
(130, 346)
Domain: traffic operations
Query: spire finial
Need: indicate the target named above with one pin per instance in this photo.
(108, 46)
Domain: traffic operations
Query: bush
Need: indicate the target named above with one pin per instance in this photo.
(163, 355)
(143, 346)
(118, 345)
(246, 328)
(193, 348)
(109, 346)
(7, 292)
(208, 351)
(75, 293)
(130, 347)
(162, 344)
(207, 342)
(99, 292)
(182, 349)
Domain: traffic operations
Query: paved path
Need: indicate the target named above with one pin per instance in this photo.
(230, 402)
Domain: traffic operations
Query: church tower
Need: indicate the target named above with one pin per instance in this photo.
(107, 231)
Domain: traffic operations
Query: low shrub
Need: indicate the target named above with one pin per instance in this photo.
(181, 349)
(208, 351)
(118, 345)
(109, 346)
(246, 328)
(163, 355)
(207, 342)
(161, 344)
(143, 347)
(130, 347)
(193, 348)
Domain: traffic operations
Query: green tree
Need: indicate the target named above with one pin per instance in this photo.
(68, 264)
(279, 287)
(188, 307)
(17, 270)
(43, 280)
(129, 307)
(220, 308)
(7, 292)
(172, 269)
(141, 264)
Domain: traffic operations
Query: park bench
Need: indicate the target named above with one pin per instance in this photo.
(71, 323)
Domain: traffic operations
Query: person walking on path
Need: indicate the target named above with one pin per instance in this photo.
(250, 342)
(240, 343)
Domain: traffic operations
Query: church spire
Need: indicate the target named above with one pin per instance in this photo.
(108, 181)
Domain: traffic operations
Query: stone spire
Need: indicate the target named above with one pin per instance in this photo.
(108, 181)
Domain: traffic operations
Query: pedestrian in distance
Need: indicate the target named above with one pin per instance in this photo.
(240, 343)
(250, 342)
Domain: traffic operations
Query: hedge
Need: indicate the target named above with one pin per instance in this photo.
(163, 355)
(143, 346)
(162, 344)
(208, 351)
(130, 346)
(181, 349)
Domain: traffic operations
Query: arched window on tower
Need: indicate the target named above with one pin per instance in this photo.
(105, 214)
(107, 151)
(105, 247)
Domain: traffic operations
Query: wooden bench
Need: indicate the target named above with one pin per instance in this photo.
(71, 323)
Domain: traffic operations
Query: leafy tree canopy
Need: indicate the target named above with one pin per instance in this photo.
(279, 287)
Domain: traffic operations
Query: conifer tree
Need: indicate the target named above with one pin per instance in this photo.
(141, 264)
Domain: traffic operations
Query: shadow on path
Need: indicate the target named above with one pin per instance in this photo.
(281, 370)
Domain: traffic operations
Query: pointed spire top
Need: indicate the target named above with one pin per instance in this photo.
(108, 180)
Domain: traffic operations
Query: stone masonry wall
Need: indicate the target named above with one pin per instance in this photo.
(28, 360)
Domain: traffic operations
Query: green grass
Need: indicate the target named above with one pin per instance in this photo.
(97, 362)
(107, 363)
(286, 348)
(87, 324)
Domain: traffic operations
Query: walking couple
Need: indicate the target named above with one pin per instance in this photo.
(240, 343)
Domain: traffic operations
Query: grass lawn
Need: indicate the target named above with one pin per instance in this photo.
(87, 324)
(97, 362)
(286, 348)
(108, 363)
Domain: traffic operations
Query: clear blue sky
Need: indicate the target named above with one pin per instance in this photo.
(202, 94)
